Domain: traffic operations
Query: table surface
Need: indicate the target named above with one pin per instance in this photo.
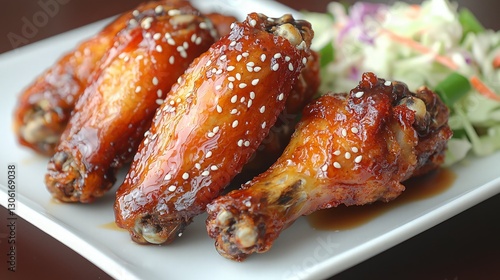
(466, 246)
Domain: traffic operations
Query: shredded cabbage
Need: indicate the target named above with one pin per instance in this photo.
(419, 45)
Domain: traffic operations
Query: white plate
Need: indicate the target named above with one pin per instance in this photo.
(300, 253)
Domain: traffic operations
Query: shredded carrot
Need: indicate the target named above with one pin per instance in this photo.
(444, 60)
(483, 89)
(414, 11)
(496, 61)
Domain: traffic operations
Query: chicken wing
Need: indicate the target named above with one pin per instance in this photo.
(210, 124)
(350, 149)
(44, 107)
(110, 118)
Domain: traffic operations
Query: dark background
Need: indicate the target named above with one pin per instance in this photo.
(464, 247)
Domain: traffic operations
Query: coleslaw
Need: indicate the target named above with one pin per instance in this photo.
(434, 44)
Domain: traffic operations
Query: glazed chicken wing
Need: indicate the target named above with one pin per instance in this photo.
(44, 107)
(350, 149)
(110, 118)
(210, 124)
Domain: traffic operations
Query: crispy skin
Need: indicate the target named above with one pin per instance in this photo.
(349, 149)
(210, 124)
(45, 106)
(272, 146)
(110, 118)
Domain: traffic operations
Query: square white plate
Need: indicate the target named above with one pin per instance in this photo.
(300, 253)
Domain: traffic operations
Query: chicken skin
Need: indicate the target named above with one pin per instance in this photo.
(112, 115)
(210, 125)
(350, 149)
(44, 107)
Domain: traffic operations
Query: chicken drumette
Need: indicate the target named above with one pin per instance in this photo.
(210, 125)
(350, 149)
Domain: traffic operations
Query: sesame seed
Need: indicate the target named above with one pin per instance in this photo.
(249, 103)
(197, 166)
(193, 37)
(358, 159)
(146, 22)
(253, 22)
(257, 68)
(171, 60)
(230, 85)
(242, 85)
(135, 13)
(242, 99)
(210, 134)
(216, 129)
(168, 177)
(234, 99)
(344, 132)
(159, 101)
(234, 111)
(232, 25)
(173, 12)
(230, 68)
(287, 58)
(159, 9)
(354, 130)
(354, 149)
(246, 143)
(245, 54)
(218, 87)
(251, 63)
(159, 48)
(185, 176)
(232, 44)
(290, 66)
(281, 97)
(208, 63)
(337, 152)
(347, 155)
(159, 93)
(262, 109)
(172, 188)
(138, 89)
(205, 173)
(304, 61)
(240, 143)
(208, 154)
(252, 94)
(198, 41)
(387, 83)
(324, 167)
(275, 67)
(277, 55)
(218, 72)
(262, 58)
(214, 167)
(231, 78)
(171, 41)
(168, 35)
(238, 76)
(185, 45)
(359, 94)
(235, 123)
(223, 57)
(219, 109)
(155, 81)
(238, 57)
(337, 165)
(255, 82)
(203, 25)
(157, 36)
(263, 125)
